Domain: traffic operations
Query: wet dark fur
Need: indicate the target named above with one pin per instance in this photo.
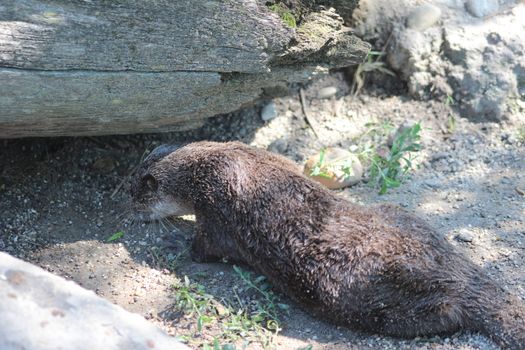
(377, 269)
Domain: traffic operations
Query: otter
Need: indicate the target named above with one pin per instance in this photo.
(377, 269)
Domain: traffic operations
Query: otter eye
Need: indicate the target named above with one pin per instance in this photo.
(150, 182)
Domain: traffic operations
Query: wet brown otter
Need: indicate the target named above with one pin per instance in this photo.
(377, 269)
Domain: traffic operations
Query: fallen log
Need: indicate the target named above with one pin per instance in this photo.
(88, 67)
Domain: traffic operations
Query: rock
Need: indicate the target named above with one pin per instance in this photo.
(465, 235)
(269, 111)
(327, 92)
(439, 155)
(278, 146)
(40, 311)
(423, 17)
(333, 166)
(105, 164)
(478, 63)
(432, 183)
(482, 8)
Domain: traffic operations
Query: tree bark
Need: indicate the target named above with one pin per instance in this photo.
(91, 67)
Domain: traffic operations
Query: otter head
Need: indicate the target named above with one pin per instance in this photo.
(159, 187)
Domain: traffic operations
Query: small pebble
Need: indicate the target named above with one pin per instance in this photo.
(465, 235)
(482, 8)
(433, 183)
(327, 92)
(105, 164)
(423, 17)
(269, 112)
(278, 146)
(439, 155)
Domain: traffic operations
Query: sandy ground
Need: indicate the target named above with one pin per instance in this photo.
(62, 198)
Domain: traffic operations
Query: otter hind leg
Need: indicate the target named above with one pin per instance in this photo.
(445, 318)
(410, 302)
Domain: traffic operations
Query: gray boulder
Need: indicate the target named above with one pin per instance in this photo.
(41, 311)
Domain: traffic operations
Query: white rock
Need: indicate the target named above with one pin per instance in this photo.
(423, 17)
(40, 311)
(482, 8)
(327, 92)
(269, 111)
(465, 235)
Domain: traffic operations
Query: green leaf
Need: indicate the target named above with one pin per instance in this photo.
(199, 324)
(308, 347)
(216, 345)
(115, 236)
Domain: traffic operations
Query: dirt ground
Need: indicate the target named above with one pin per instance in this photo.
(62, 198)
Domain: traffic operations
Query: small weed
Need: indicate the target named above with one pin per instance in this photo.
(319, 168)
(116, 236)
(449, 100)
(193, 300)
(270, 305)
(389, 170)
(254, 321)
(371, 64)
(307, 347)
(520, 134)
(339, 167)
(168, 261)
(451, 124)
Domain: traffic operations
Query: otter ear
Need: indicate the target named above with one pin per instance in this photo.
(150, 182)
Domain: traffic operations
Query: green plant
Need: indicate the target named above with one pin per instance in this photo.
(269, 307)
(168, 260)
(319, 169)
(236, 319)
(327, 169)
(520, 134)
(390, 169)
(371, 64)
(451, 124)
(449, 100)
(115, 236)
(284, 13)
(192, 299)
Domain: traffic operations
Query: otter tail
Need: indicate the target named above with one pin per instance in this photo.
(505, 324)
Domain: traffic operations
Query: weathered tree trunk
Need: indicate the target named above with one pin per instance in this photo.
(87, 67)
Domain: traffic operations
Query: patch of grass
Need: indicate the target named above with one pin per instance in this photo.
(236, 319)
(285, 14)
(116, 236)
(371, 64)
